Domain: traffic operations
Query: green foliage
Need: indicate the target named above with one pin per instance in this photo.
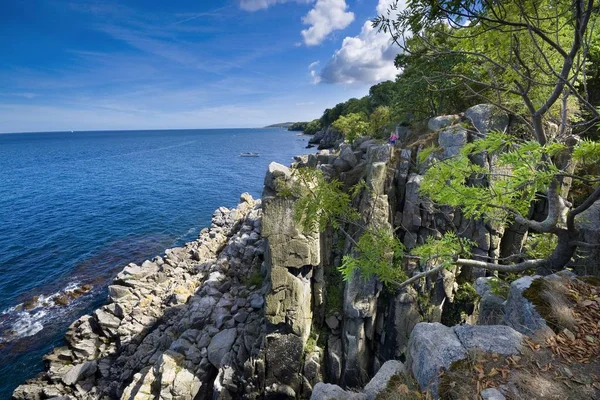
(382, 94)
(334, 296)
(380, 121)
(541, 245)
(522, 169)
(426, 152)
(321, 203)
(587, 152)
(254, 279)
(352, 126)
(378, 253)
(466, 293)
(298, 126)
(425, 89)
(309, 128)
(445, 249)
(507, 49)
(499, 287)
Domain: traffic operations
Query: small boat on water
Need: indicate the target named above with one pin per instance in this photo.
(249, 154)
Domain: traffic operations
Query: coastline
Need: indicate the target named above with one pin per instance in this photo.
(149, 303)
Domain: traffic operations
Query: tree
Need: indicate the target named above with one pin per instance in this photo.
(380, 121)
(382, 94)
(526, 56)
(312, 127)
(529, 58)
(351, 126)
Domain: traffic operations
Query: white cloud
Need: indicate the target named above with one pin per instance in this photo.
(255, 5)
(366, 58)
(326, 17)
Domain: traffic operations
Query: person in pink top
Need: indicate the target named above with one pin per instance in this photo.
(393, 138)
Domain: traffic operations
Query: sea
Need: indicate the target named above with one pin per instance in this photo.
(76, 207)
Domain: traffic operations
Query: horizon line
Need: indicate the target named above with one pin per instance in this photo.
(133, 130)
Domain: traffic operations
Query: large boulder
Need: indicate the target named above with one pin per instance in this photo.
(588, 223)
(79, 372)
(276, 171)
(497, 339)
(220, 345)
(487, 117)
(520, 313)
(452, 140)
(432, 348)
(381, 380)
(327, 391)
(437, 123)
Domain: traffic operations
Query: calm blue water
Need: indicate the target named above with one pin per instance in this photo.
(77, 207)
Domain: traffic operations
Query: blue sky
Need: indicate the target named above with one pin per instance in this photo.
(148, 64)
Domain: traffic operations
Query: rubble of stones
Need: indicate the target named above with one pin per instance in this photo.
(182, 326)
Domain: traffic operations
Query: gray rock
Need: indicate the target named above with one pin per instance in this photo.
(491, 309)
(80, 372)
(341, 165)
(220, 345)
(437, 123)
(498, 339)
(106, 319)
(588, 224)
(432, 348)
(487, 117)
(116, 292)
(520, 313)
(257, 302)
(275, 171)
(347, 155)
(334, 359)
(452, 140)
(327, 391)
(492, 394)
(364, 146)
(332, 322)
(382, 378)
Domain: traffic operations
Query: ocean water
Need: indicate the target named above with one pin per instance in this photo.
(75, 208)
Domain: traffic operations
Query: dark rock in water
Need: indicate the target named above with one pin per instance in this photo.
(309, 146)
(31, 303)
(61, 300)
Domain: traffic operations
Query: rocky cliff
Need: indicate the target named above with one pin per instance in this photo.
(256, 307)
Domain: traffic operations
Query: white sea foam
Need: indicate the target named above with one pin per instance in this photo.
(20, 323)
(28, 324)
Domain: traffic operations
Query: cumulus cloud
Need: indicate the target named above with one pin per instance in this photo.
(255, 5)
(313, 72)
(366, 58)
(326, 17)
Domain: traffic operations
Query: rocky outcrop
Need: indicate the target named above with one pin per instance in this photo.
(182, 326)
(256, 307)
(327, 138)
(434, 347)
(588, 224)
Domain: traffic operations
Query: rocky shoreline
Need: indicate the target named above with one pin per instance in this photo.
(181, 320)
(257, 309)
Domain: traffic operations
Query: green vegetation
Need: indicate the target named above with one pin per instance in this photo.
(254, 279)
(378, 253)
(381, 122)
(309, 128)
(531, 60)
(352, 126)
